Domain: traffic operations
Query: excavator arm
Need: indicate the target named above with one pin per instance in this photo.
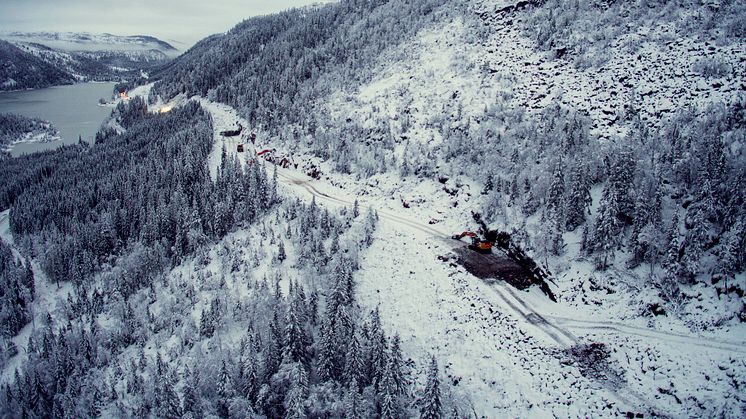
(464, 234)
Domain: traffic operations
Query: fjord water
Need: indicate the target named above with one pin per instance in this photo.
(73, 110)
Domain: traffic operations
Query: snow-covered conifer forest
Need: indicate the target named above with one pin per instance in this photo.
(264, 228)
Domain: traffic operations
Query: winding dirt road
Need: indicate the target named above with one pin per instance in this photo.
(555, 327)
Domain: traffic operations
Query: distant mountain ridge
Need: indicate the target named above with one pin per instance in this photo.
(42, 59)
(86, 41)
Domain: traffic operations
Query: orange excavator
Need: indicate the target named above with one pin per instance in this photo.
(477, 244)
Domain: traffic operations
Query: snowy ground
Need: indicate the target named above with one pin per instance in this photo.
(31, 137)
(502, 349)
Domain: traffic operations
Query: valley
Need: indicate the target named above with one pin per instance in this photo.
(430, 208)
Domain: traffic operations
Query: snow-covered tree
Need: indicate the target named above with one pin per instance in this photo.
(431, 405)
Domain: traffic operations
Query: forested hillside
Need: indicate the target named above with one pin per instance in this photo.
(273, 68)
(186, 295)
(21, 70)
(43, 59)
(164, 271)
(669, 183)
(606, 137)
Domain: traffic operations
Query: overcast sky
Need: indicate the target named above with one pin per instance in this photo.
(181, 22)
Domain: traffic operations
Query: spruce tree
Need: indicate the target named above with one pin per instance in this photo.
(579, 198)
(295, 338)
(225, 390)
(608, 228)
(430, 404)
(353, 402)
(326, 352)
(354, 367)
(397, 367)
(295, 399)
(191, 403)
(387, 394)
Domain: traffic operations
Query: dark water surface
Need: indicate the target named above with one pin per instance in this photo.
(73, 110)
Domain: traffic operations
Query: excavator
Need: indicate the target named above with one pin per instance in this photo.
(477, 244)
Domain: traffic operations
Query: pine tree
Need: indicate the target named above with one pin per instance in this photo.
(30, 283)
(191, 402)
(250, 383)
(377, 350)
(274, 350)
(97, 402)
(281, 256)
(296, 337)
(556, 198)
(620, 185)
(39, 397)
(728, 252)
(273, 198)
(225, 390)
(696, 240)
(579, 197)
(168, 406)
(608, 228)
(672, 257)
(555, 229)
(430, 404)
(355, 209)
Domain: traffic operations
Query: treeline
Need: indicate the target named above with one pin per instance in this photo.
(13, 127)
(272, 68)
(101, 198)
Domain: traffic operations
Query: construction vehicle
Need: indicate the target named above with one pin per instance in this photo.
(477, 244)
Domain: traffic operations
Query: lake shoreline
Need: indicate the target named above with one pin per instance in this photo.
(73, 110)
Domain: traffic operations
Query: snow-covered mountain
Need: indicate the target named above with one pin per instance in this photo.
(84, 56)
(209, 271)
(91, 42)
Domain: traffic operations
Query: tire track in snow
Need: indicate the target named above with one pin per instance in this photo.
(223, 115)
(649, 333)
(532, 317)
